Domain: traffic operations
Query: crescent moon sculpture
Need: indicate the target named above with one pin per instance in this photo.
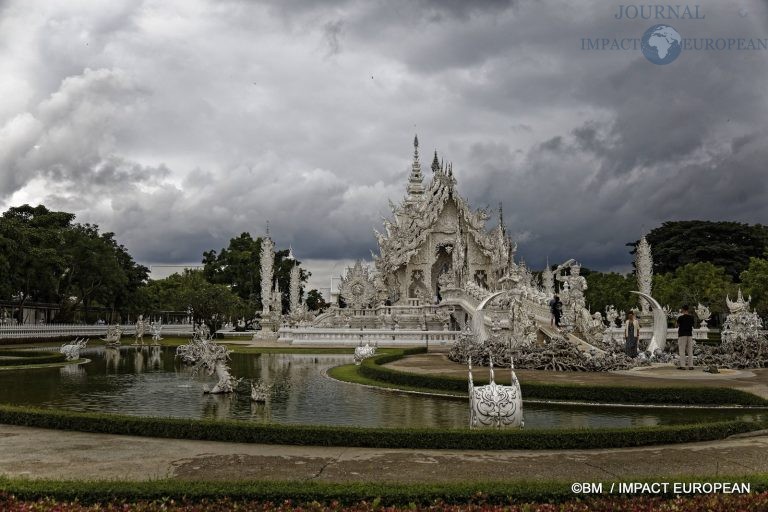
(659, 337)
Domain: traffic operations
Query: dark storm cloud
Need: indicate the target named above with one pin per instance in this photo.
(179, 126)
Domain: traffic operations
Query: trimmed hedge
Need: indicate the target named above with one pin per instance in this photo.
(28, 357)
(372, 368)
(322, 435)
(504, 493)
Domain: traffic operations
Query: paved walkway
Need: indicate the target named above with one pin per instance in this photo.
(42, 453)
(754, 380)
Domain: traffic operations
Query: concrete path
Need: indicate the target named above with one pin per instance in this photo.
(42, 453)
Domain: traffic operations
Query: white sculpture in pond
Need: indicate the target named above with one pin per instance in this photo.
(141, 330)
(203, 353)
(72, 349)
(260, 392)
(494, 405)
(114, 332)
(155, 329)
(364, 352)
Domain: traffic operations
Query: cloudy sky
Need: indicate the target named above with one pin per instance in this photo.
(179, 124)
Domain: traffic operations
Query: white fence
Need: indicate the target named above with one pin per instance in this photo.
(353, 337)
(63, 330)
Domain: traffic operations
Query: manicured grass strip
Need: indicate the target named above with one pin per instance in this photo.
(322, 435)
(373, 370)
(484, 493)
(28, 357)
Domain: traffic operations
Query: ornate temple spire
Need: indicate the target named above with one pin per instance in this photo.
(644, 270)
(435, 164)
(501, 217)
(415, 187)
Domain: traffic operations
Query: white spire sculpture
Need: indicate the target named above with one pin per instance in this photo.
(644, 270)
(295, 285)
(548, 280)
(267, 271)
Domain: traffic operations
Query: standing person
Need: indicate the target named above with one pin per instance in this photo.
(556, 308)
(685, 338)
(631, 335)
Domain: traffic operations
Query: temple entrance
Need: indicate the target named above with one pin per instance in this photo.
(443, 263)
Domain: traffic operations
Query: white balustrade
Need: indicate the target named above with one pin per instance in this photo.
(62, 330)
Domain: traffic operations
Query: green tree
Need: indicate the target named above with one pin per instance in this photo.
(693, 283)
(724, 244)
(239, 267)
(754, 282)
(604, 289)
(211, 304)
(315, 301)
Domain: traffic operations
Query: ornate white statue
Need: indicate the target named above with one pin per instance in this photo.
(742, 330)
(260, 392)
(203, 353)
(644, 270)
(357, 287)
(494, 405)
(72, 349)
(364, 352)
(141, 329)
(114, 333)
(155, 329)
(704, 314)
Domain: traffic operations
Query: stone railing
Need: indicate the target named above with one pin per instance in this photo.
(353, 337)
(33, 331)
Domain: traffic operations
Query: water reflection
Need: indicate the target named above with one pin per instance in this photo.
(149, 381)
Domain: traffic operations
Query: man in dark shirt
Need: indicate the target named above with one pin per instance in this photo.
(685, 338)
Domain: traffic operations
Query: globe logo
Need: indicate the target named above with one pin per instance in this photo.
(661, 44)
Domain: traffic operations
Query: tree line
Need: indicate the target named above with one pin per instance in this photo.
(47, 257)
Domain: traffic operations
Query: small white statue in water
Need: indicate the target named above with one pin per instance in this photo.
(202, 352)
(494, 405)
(114, 332)
(72, 349)
(141, 330)
(155, 329)
(364, 352)
(260, 392)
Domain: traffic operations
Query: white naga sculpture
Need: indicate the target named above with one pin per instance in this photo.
(364, 352)
(260, 392)
(141, 330)
(114, 332)
(659, 337)
(203, 353)
(72, 349)
(494, 405)
(155, 329)
(742, 329)
(644, 270)
(704, 314)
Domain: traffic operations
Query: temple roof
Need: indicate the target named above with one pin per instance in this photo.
(415, 218)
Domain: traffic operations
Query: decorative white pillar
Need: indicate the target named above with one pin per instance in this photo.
(644, 271)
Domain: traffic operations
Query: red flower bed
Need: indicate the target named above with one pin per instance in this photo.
(713, 502)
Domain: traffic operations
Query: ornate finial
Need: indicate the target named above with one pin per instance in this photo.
(450, 169)
(290, 253)
(435, 163)
(415, 187)
(501, 214)
(267, 227)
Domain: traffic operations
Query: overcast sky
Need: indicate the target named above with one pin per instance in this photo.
(179, 124)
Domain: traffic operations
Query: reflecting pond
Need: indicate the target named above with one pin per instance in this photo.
(149, 381)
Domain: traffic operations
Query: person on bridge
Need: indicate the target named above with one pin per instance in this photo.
(556, 309)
